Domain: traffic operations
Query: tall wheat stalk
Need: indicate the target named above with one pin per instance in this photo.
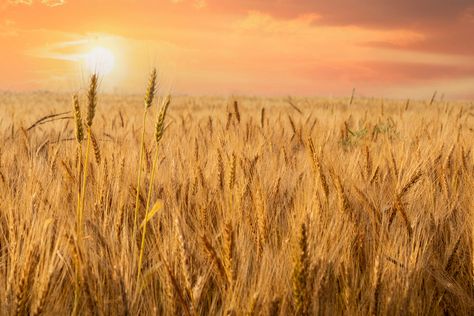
(92, 103)
(159, 130)
(149, 96)
(79, 133)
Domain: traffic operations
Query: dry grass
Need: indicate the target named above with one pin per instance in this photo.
(270, 206)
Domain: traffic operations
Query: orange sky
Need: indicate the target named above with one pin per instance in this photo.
(402, 48)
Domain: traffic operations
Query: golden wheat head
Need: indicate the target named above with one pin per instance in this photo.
(78, 119)
(160, 124)
(92, 99)
(151, 90)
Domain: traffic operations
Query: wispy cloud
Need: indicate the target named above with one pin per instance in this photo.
(56, 50)
(26, 2)
(469, 14)
(445, 25)
(49, 3)
(198, 4)
(53, 3)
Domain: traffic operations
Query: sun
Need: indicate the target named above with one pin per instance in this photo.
(99, 60)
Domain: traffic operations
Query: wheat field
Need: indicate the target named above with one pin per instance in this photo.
(235, 206)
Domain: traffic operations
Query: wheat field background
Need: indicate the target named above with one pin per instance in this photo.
(257, 206)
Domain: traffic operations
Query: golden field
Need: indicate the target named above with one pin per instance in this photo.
(257, 206)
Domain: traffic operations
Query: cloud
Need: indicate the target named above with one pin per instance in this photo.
(198, 4)
(53, 3)
(410, 72)
(68, 50)
(445, 26)
(380, 13)
(49, 3)
(26, 2)
(468, 15)
(265, 23)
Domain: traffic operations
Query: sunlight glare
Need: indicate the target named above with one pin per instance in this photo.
(100, 60)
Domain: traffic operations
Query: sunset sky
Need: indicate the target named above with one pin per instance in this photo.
(402, 48)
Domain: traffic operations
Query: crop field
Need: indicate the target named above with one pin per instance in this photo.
(148, 204)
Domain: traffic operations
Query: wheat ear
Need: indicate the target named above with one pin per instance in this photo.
(301, 274)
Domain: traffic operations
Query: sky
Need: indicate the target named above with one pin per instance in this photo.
(387, 48)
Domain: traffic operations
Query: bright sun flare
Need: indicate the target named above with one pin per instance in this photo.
(100, 60)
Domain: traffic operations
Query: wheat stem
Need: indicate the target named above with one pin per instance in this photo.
(140, 163)
(83, 189)
(159, 130)
(149, 96)
(148, 199)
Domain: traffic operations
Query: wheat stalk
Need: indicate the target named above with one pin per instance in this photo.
(149, 96)
(91, 107)
(159, 130)
(236, 111)
(317, 168)
(96, 148)
(78, 119)
(301, 274)
(214, 258)
(220, 171)
(92, 99)
(229, 245)
(232, 170)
